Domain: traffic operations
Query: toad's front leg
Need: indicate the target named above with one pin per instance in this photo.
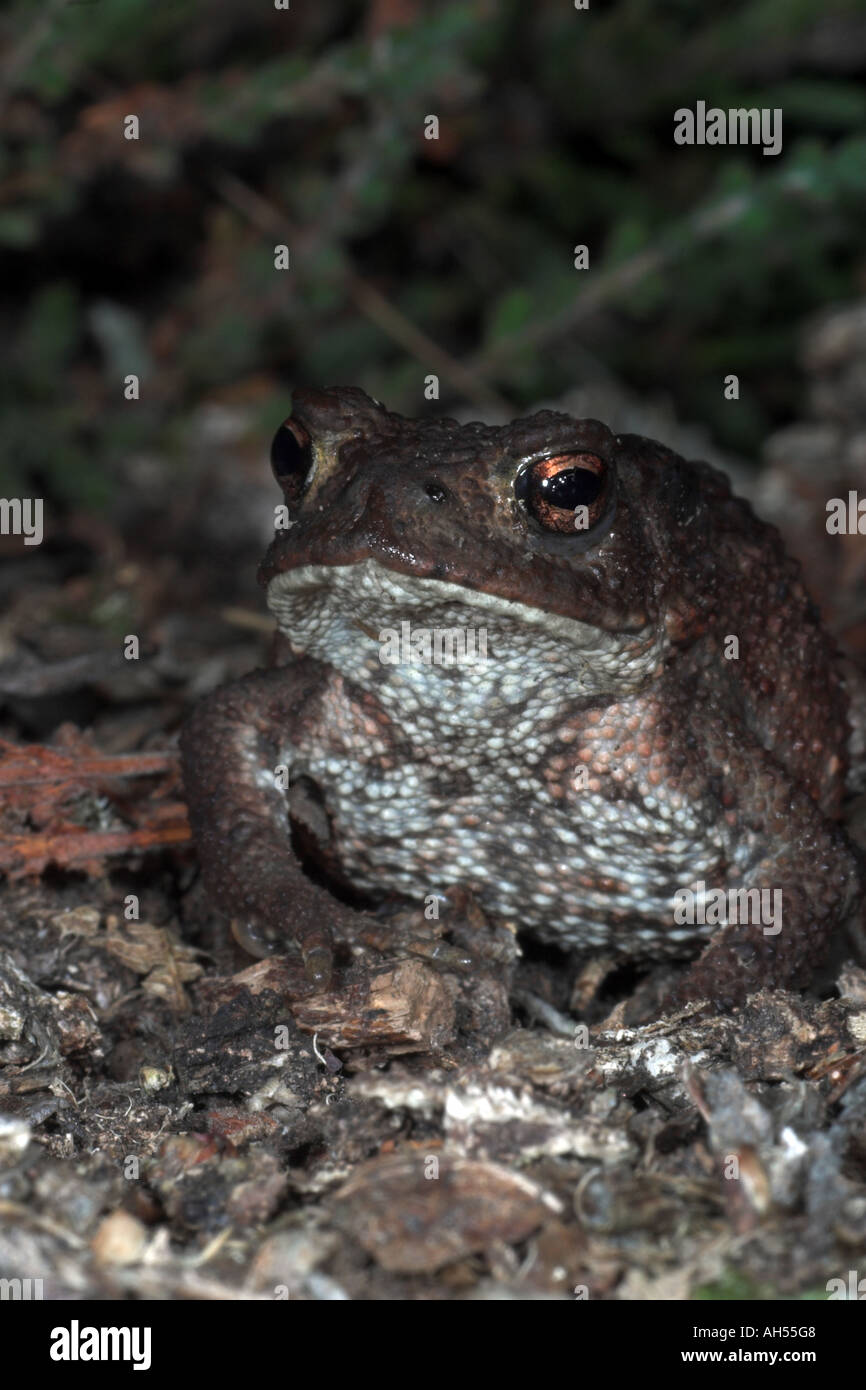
(230, 749)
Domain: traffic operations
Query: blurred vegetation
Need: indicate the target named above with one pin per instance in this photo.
(409, 255)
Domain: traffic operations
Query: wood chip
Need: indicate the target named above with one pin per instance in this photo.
(402, 1007)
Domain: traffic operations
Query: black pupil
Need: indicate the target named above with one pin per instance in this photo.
(289, 458)
(573, 487)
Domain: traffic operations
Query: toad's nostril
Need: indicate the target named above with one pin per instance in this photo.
(435, 491)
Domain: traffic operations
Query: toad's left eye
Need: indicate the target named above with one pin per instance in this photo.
(291, 458)
(568, 493)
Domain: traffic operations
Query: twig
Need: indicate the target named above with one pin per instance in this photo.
(386, 316)
(702, 225)
(27, 48)
(608, 284)
(30, 853)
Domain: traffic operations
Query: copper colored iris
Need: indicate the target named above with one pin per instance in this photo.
(554, 489)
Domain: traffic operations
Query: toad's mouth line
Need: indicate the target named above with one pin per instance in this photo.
(374, 596)
(367, 585)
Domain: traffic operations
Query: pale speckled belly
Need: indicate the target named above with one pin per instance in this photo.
(598, 874)
(436, 777)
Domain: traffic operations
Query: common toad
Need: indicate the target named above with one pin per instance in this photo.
(652, 704)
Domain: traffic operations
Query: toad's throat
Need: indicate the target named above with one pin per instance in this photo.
(372, 623)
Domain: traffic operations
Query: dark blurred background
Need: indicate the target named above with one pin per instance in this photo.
(408, 256)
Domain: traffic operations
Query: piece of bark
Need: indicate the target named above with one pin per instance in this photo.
(416, 1212)
(402, 1007)
(42, 789)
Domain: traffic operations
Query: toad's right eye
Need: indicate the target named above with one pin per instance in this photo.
(566, 492)
(291, 458)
